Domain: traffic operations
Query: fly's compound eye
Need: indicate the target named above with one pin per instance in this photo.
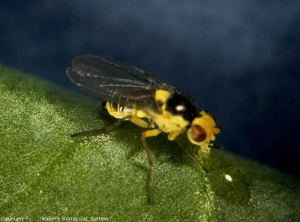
(197, 133)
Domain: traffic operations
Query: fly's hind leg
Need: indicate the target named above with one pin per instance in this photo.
(113, 110)
(99, 131)
(149, 133)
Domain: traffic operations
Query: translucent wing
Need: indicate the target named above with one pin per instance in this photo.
(116, 81)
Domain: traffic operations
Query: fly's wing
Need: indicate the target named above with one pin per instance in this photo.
(115, 81)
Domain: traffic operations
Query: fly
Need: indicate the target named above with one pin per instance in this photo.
(147, 101)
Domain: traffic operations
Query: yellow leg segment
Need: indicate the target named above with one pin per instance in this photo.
(150, 133)
(172, 136)
(139, 122)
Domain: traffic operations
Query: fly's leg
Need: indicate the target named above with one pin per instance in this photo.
(98, 131)
(149, 133)
(192, 157)
(140, 122)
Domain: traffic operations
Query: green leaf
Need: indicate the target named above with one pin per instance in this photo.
(46, 175)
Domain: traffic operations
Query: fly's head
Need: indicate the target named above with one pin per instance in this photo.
(202, 130)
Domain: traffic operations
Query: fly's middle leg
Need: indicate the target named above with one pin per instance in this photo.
(149, 133)
(140, 122)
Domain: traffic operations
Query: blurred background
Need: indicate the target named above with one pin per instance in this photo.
(238, 59)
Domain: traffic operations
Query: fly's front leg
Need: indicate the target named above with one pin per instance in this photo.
(149, 133)
(172, 136)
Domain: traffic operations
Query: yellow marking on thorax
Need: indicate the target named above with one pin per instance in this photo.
(170, 123)
(162, 96)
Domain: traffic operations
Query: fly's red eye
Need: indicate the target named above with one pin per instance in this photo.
(198, 133)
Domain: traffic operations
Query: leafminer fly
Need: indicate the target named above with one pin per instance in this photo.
(147, 101)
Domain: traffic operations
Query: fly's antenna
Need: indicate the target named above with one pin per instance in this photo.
(225, 120)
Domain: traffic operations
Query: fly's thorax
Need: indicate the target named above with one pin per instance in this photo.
(176, 104)
(176, 111)
(119, 111)
(167, 122)
(203, 129)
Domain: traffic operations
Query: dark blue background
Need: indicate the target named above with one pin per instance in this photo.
(238, 59)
